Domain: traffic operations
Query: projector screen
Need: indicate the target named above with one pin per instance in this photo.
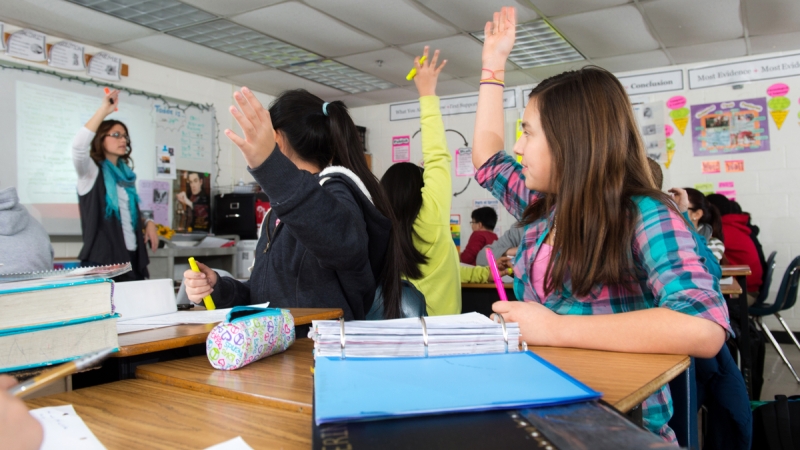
(41, 116)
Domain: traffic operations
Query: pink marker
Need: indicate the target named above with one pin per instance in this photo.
(496, 275)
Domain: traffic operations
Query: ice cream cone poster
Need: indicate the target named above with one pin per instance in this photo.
(679, 113)
(778, 104)
(736, 126)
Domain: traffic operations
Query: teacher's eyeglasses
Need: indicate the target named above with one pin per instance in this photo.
(118, 135)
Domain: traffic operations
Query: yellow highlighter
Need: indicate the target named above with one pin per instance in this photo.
(207, 299)
(413, 72)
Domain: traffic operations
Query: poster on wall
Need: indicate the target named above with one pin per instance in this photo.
(738, 126)
(165, 162)
(464, 167)
(27, 44)
(455, 230)
(650, 119)
(154, 200)
(401, 149)
(778, 104)
(192, 191)
(67, 55)
(105, 66)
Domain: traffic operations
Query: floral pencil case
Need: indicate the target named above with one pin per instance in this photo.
(249, 334)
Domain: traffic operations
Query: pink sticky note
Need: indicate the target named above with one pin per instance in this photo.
(711, 167)
(668, 130)
(777, 90)
(676, 102)
(730, 193)
(725, 184)
(735, 165)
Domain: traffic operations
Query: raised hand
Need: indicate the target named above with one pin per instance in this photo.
(427, 73)
(256, 124)
(499, 38)
(110, 103)
(681, 198)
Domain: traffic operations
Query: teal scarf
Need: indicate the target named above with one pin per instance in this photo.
(120, 175)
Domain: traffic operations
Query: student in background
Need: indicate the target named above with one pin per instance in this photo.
(706, 219)
(483, 222)
(739, 246)
(607, 262)
(18, 429)
(24, 244)
(754, 230)
(420, 199)
(328, 240)
(503, 249)
(111, 222)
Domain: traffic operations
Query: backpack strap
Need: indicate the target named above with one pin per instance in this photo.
(783, 422)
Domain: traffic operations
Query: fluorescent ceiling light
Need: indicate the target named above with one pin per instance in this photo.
(339, 76)
(538, 44)
(243, 42)
(156, 14)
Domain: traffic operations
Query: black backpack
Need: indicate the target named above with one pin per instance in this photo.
(776, 425)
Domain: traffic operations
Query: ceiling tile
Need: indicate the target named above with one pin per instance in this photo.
(772, 16)
(463, 54)
(280, 21)
(274, 82)
(173, 52)
(639, 61)
(513, 78)
(541, 73)
(389, 95)
(71, 21)
(229, 8)
(786, 42)
(607, 32)
(351, 101)
(455, 87)
(552, 8)
(393, 21)
(394, 66)
(692, 22)
(708, 52)
(472, 15)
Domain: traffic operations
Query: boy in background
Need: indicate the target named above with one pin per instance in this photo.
(483, 222)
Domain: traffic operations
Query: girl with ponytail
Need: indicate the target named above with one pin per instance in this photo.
(328, 240)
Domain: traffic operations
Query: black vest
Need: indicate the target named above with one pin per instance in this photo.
(103, 241)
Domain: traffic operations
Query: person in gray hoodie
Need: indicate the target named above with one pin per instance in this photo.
(328, 241)
(24, 244)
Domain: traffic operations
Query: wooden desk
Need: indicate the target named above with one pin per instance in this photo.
(731, 289)
(738, 308)
(285, 381)
(134, 414)
(281, 381)
(167, 338)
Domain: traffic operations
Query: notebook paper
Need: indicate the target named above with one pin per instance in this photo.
(65, 430)
(375, 388)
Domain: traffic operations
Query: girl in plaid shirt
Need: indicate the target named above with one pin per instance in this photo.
(606, 261)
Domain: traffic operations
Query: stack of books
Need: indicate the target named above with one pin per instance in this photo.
(54, 317)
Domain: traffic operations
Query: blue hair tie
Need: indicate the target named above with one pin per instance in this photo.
(325, 108)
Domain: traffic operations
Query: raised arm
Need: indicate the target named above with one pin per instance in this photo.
(489, 124)
(81, 144)
(110, 102)
(437, 192)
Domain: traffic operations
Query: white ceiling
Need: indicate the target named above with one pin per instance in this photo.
(381, 37)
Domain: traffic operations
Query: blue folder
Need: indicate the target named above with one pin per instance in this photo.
(377, 388)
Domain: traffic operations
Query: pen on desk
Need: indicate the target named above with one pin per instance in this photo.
(413, 71)
(207, 299)
(498, 282)
(56, 373)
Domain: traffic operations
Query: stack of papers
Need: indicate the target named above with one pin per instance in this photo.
(470, 333)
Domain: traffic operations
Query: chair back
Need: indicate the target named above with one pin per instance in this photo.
(412, 303)
(767, 280)
(788, 289)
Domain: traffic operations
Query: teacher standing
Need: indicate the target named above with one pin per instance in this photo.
(111, 222)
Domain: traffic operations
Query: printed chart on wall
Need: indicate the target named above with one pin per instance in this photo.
(736, 126)
(42, 115)
(650, 119)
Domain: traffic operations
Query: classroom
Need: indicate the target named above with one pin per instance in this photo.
(252, 224)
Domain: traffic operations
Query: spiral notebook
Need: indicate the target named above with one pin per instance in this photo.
(348, 388)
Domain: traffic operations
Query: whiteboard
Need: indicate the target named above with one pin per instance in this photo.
(41, 114)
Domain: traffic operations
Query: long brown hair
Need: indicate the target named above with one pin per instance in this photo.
(598, 165)
(97, 151)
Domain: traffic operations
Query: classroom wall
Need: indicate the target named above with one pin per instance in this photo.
(173, 83)
(769, 188)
